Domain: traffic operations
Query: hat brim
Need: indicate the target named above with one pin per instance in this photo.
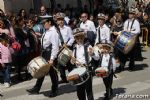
(79, 34)
(60, 18)
(101, 18)
(107, 45)
(132, 12)
(43, 21)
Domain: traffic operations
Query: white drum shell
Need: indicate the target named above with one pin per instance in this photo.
(38, 67)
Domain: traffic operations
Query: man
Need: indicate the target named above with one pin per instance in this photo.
(88, 27)
(103, 32)
(67, 36)
(43, 11)
(131, 26)
(83, 53)
(50, 47)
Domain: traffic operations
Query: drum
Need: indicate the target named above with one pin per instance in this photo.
(38, 67)
(64, 56)
(78, 76)
(101, 72)
(125, 42)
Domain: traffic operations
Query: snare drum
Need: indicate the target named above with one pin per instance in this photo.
(101, 72)
(38, 67)
(125, 42)
(64, 56)
(78, 76)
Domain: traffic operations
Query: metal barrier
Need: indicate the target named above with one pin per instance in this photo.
(144, 32)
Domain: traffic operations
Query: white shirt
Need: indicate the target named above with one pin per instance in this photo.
(80, 54)
(104, 33)
(135, 27)
(51, 37)
(67, 19)
(105, 61)
(88, 26)
(67, 35)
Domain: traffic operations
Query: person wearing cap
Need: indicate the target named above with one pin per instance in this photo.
(107, 60)
(83, 52)
(68, 39)
(50, 47)
(103, 32)
(132, 26)
(88, 27)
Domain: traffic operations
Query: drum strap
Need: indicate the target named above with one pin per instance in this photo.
(86, 54)
(99, 36)
(131, 24)
(60, 36)
(42, 47)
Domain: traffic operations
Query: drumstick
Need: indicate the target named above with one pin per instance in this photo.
(75, 59)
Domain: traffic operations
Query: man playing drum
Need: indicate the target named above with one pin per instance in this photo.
(132, 27)
(68, 39)
(81, 53)
(106, 68)
(50, 47)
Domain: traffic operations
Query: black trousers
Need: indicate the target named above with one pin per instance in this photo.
(108, 83)
(52, 73)
(62, 69)
(85, 89)
(124, 57)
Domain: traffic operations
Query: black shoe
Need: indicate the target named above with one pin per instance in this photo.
(63, 81)
(131, 68)
(53, 94)
(33, 90)
(120, 69)
(108, 96)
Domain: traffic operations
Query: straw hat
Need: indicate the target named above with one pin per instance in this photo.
(78, 32)
(101, 16)
(108, 44)
(132, 10)
(60, 15)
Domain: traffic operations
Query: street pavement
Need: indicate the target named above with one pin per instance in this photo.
(128, 85)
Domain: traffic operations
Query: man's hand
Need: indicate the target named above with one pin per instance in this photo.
(51, 62)
(90, 51)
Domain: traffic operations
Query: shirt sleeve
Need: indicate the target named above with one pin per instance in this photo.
(107, 34)
(55, 44)
(71, 38)
(93, 27)
(95, 55)
(114, 64)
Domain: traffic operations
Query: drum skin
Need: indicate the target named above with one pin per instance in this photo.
(78, 76)
(125, 42)
(38, 67)
(101, 72)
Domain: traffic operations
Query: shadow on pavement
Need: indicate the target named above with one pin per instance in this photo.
(66, 88)
(116, 91)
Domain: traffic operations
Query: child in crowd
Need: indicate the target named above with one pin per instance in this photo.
(5, 59)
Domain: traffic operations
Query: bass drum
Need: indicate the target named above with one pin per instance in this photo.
(38, 67)
(125, 42)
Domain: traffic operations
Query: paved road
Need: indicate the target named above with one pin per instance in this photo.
(128, 85)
